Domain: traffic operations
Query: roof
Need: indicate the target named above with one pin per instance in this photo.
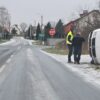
(97, 11)
(69, 23)
(97, 30)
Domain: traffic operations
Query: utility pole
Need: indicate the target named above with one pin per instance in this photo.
(41, 23)
(34, 22)
(41, 20)
(30, 31)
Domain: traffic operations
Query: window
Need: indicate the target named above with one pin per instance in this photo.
(93, 47)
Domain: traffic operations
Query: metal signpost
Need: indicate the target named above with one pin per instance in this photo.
(52, 32)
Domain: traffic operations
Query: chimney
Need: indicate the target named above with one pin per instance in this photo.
(85, 12)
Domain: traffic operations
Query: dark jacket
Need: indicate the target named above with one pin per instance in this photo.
(77, 41)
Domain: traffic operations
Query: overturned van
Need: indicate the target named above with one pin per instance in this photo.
(94, 46)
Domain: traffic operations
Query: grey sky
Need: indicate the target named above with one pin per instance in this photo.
(30, 10)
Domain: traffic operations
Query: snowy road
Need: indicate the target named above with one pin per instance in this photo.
(28, 74)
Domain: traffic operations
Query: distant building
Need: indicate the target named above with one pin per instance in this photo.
(17, 29)
(68, 27)
(87, 19)
(31, 32)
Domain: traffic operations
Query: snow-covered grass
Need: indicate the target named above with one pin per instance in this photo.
(84, 69)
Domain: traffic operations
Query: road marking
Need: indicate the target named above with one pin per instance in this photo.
(29, 52)
(2, 68)
(11, 56)
(19, 48)
(8, 61)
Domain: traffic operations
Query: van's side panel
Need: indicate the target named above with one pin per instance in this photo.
(97, 46)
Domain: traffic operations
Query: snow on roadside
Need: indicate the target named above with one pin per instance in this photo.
(85, 70)
(8, 42)
(17, 41)
(30, 41)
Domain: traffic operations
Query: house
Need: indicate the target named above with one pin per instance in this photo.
(68, 26)
(17, 29)
(87, 19)
(87, 22)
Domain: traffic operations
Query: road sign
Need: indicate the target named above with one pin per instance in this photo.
(52, 31)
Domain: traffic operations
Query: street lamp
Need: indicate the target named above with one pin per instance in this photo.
(41, 23)
(41, 20)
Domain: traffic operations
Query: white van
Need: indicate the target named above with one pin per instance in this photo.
(94, 46)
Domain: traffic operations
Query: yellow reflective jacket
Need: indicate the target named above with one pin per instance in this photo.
(69, 40)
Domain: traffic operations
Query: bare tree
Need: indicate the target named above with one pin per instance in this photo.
(23, 27)
(4, 18)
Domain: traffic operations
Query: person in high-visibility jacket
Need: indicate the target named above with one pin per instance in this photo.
(69, 39)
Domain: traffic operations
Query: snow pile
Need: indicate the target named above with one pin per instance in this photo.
(84, 69)
(22, 38)
(8, 42)
(30, 42)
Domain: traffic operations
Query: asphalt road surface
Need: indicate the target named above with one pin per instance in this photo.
(28, 74)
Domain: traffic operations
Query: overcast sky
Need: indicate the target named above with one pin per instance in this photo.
(30, 11)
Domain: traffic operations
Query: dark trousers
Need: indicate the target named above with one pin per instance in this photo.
(77, 54)
(70, 52)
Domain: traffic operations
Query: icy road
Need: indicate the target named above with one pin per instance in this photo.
(26, 73)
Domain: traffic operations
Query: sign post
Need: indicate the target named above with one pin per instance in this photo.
(52, 32)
